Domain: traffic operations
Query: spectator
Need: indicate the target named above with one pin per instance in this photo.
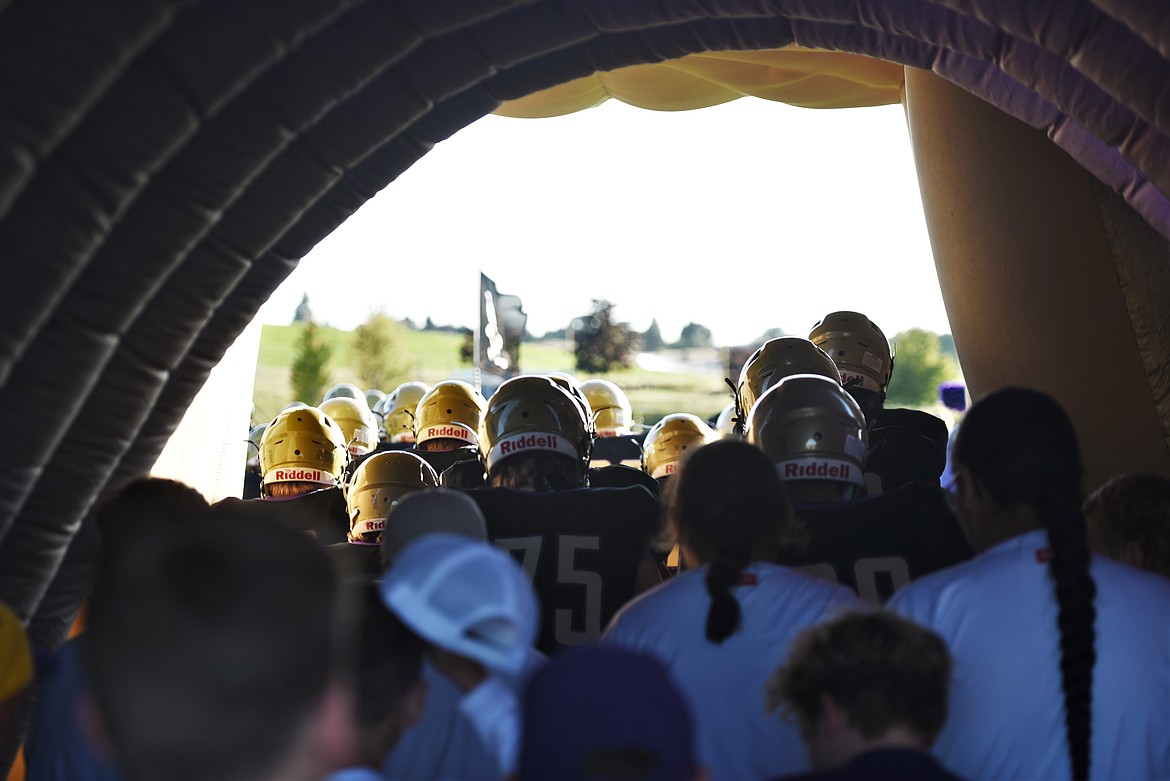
(473, 605)
(56, 748)
(1129, 521)
(870, 694)
(1062, 663)
(445, 743)
(600, 712)
(724, 626)
(390, 692)
(212, 652)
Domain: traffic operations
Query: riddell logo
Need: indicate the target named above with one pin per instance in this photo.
(311, 475)
(541, 441)
(826, 470)
(445, 431)
(668, 469)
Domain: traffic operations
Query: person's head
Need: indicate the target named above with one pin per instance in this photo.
(377, 483)
(448, 416)
(669, 440)
(612, 414)
(390, 693)
(1017, 467)
(861, 681)
(145, 502)
(776, 359)
(398, 410)
(356, 421)
(302, 450)
(727, 508)
(211, 654)
(428, 512)
(535, 437)
(862, 353)
(603, 712)
(815, 434)
(1129, 520)
(466, 598)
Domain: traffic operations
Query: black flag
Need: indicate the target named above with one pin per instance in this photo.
(501, 328)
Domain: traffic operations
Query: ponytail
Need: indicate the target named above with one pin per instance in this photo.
(723, 574)
(727, 505)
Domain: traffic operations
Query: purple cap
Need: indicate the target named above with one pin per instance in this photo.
(953, 395)
(601, 704)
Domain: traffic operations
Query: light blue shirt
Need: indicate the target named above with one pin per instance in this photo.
(464, 737)
(444, 744)
(725, 683)
(998, 614)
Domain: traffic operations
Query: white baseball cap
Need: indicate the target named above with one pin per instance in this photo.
(467, 597)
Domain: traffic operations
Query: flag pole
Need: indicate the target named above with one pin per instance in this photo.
(477, 379)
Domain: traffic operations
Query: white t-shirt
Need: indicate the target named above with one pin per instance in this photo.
(724, 683)
(998, 614)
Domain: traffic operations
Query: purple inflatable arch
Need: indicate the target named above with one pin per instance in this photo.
(164, 164)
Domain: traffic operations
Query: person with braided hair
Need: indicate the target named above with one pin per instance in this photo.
(1062, 658)
(724, 625)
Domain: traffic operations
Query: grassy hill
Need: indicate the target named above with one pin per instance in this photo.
(435, 355)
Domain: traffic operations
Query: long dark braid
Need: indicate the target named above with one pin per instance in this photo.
(728, 505)
(1021, 446)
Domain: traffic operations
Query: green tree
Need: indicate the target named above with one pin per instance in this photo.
(378, 354)
(600, 344)
(694, 335)
(303, 313)
(769, 335)
(309, 373)
(919, 366)
(652, 340)
(467, 347)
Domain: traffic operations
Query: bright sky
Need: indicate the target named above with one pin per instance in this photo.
(741, 217)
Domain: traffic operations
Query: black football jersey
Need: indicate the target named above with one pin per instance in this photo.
(906, 445)
(876, 545)
(581, 549)
(320, 513)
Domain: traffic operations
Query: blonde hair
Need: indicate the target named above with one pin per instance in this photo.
(286, 490)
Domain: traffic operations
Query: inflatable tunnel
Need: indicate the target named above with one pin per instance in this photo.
(164, 164)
